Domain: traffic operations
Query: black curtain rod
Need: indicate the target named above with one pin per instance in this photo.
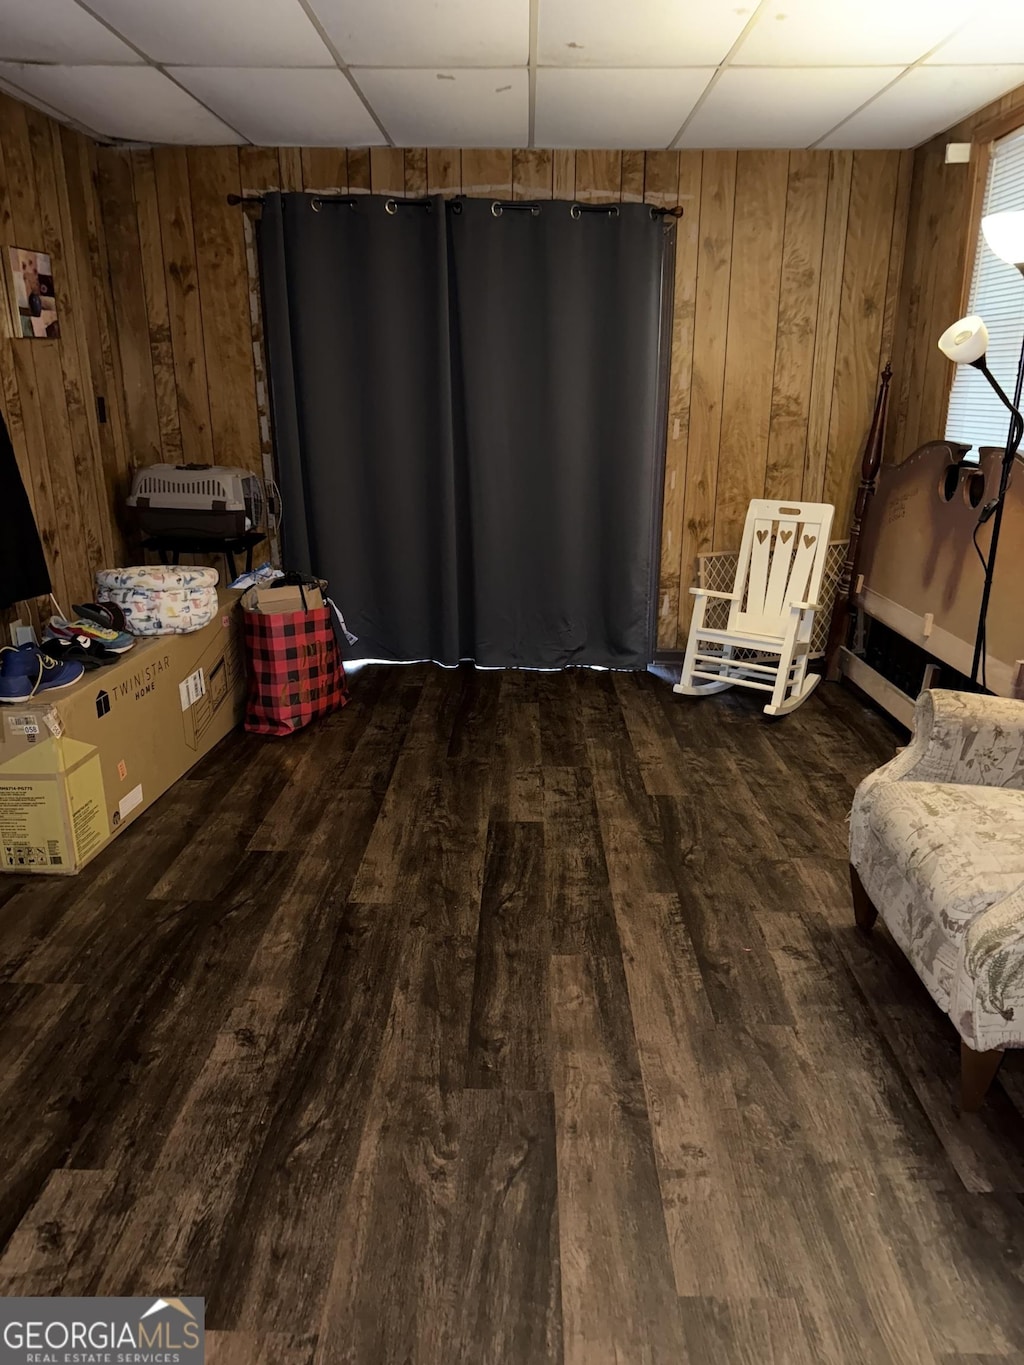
(339, 198)
(577, 210)
(392, 205)
(317, 201)
(498, 206)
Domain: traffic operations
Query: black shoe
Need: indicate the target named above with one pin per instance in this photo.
(107, 614)
(82, 650)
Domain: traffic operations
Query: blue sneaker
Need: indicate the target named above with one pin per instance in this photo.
(25, 672)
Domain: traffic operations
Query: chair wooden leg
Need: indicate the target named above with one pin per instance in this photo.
(977, 1072)
(863, 911)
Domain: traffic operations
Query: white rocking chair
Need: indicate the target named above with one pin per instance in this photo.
(771, 609)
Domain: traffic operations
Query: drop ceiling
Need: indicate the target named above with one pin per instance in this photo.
(513, 73)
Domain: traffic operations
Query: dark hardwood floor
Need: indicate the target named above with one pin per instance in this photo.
(507, 1019)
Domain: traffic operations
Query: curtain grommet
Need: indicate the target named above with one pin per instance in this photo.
(575, 211)
(496, 209)
(390, 207)
(316, 204)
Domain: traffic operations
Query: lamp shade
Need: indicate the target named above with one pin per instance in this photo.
(1004, 233)
(966, 341)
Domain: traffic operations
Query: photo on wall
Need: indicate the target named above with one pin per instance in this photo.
(35, 303)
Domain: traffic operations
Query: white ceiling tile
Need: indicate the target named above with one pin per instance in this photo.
(56, 31)
(629, 108)
(218, 32)
(453, 108)
(438, 33)
(922, 103)
(134, 103)
(848, 32)
(769, 107)
(995, 34)
(610, 33)
(284, 107)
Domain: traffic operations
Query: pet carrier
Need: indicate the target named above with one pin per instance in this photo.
(197, 500)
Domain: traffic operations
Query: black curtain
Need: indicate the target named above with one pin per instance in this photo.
(468, 408)
(23, 571)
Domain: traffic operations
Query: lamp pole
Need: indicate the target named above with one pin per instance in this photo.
(1004, 233)
(966, 343)
(993, 510)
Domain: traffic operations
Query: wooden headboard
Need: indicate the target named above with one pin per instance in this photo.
(920, 574)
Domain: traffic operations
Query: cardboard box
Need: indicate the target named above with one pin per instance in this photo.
(79, 765)
(269, 600)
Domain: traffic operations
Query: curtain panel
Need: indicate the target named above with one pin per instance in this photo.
(469, 421)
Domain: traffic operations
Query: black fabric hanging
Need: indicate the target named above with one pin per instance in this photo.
(356, 316)
(23, 571)
(557, 337)
(469, 422)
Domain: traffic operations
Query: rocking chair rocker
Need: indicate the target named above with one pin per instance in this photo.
(771, 609)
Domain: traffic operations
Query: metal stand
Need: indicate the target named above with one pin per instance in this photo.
(994, 511)
(170, 548)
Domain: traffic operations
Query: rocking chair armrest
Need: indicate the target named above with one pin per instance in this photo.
(710, 592)
(804, 606)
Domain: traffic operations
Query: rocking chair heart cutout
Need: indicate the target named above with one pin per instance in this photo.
(771, 609)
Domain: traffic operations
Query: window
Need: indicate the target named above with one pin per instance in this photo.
(976, 416)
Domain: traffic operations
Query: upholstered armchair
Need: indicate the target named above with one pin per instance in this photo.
(937, 849)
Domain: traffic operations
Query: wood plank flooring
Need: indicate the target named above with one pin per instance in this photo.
(507, 1019)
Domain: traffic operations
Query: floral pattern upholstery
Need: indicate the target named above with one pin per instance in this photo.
(937, 838)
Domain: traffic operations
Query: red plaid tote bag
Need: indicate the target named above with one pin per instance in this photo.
(295, 672)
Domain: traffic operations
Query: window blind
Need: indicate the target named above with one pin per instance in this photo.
(976, 415)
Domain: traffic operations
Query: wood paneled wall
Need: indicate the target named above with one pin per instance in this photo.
(945, 208)
(787, 275)
(74, 466)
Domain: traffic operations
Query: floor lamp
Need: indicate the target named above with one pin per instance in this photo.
(966, 343)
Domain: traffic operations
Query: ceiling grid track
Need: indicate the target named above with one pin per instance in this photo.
(343, 67)
(785, 74)
(157, 66)
(895, 81)
(747, 28)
